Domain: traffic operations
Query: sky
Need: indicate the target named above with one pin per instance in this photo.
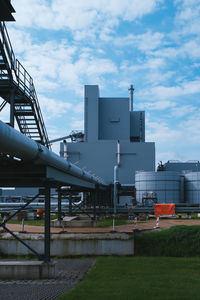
(152, 44)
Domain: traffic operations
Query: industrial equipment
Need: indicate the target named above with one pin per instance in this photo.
(166, 185)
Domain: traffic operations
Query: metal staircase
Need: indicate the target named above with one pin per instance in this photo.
(17, 88)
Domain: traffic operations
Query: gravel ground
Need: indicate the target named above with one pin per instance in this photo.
(128, 228)
(69, 273)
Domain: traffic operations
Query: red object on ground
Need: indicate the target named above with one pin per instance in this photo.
(164, 209)
(40, 212)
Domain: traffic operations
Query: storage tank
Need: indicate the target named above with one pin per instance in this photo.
(165, 185)
(192, 187)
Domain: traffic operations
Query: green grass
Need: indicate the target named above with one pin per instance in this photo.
(31, 222)
(140, 278)
(179, 241)
(109, 222)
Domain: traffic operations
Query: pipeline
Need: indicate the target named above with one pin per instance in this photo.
(17, 145)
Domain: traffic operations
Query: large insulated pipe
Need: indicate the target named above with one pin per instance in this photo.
(131, 90)
(35, 205)
(18, 145)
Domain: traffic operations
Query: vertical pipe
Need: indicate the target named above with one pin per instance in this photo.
(115, 189)
(62, 149)
(59, 204)
(116, 180)
(47, 257)
(118, 153)
(65, 149)
(131, 90)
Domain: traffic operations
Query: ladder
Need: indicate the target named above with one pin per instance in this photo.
(17, 88)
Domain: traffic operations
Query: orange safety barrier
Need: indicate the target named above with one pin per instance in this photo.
(164, 209)
(40, 212)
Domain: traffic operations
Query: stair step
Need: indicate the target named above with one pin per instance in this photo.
(33, 132)
(2, 76)
(24, 113)
(3, 67)
(4, 81)
(26, 107)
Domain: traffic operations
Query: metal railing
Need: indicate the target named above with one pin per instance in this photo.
(24, 83)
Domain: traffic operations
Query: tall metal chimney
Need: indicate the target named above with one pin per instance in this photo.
(131, 90)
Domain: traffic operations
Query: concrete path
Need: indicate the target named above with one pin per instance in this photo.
(70, 272)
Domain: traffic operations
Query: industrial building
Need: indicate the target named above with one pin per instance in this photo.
(107, 123)
(179, 166)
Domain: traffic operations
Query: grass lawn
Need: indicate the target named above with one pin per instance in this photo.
(140, 278)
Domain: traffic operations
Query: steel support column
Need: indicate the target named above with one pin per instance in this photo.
(70, 204)
(95, 196)
(12, 111)
(59, 205)
(47, 237)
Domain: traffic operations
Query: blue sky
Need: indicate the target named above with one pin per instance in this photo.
(154, 44)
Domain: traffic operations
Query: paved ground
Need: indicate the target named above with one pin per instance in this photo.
(145, 225)
(69, 273)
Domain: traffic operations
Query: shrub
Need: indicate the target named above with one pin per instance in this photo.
(178, 241)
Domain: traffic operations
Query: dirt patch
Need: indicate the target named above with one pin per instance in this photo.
(141, 225)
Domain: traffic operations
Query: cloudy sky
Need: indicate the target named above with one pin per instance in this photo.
(154, 44)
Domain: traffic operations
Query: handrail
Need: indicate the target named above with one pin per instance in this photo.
(24, 82)
(7, 45)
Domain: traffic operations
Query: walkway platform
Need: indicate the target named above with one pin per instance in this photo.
(17, 270)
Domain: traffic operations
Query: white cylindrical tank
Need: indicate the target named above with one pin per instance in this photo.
(192, 187)
(166, 186)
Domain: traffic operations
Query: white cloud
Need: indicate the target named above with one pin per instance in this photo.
(187, 17)
(79, 107)
(181, 111)
(144, 42)
(98, 16)
(53, 108)
(56, 64)
(77, 124)
(170, 92)
(157, 105)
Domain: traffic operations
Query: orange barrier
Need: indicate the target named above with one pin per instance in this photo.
(40, 212)
(164, 209)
